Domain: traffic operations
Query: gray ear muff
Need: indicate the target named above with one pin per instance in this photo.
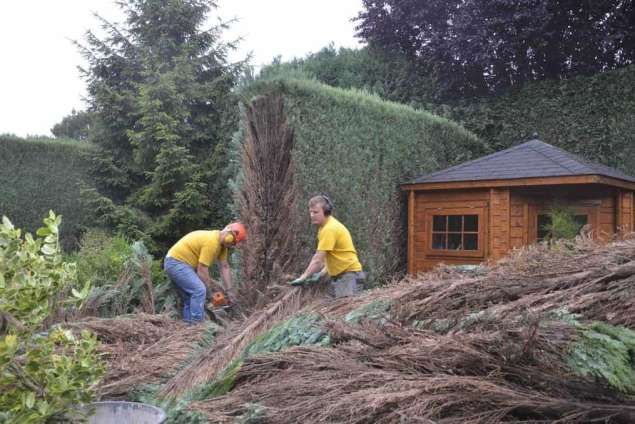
(328, 205)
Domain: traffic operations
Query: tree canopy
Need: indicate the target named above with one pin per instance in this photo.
(77, 126)
(484, 46)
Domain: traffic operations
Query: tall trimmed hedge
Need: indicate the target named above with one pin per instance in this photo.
(38, 175)
(351, 145)
(591, 116)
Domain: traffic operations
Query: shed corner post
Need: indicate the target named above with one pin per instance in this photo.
(624, 212)
(411, 235)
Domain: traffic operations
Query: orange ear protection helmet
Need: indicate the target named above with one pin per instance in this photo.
(237, 233)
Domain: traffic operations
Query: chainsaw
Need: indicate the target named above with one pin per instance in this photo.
(217, 309)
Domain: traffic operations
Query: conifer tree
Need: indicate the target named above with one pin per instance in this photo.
(160, 87)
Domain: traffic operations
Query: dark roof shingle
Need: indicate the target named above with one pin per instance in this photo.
(528, 160)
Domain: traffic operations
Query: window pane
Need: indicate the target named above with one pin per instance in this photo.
(438, 241)
(544, 222)
(470, 223)
(454, 241)
(438, 223)
(454, 223)
(581, 220)
(470, 241)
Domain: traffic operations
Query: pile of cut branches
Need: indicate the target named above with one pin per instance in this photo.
(392, 373)
(141, 349)
(540, 337)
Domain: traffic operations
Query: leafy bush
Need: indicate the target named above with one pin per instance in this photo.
(123, 275)
(562, 224)
(43, 375)
(40, 174)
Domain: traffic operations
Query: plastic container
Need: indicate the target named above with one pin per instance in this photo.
(120, 412)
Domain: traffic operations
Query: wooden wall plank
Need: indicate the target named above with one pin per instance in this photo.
(411, 229)
(499, 222)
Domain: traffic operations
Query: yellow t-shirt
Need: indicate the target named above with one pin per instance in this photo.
(199, 246)
(336, 241)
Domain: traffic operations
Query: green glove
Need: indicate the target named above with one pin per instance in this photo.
(297, 282)
(313, 278)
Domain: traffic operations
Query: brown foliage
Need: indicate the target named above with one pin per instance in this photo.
(592, 280)
(267, 199)
(229, 345)
(141, 349)
(500, 367)
(398, 374)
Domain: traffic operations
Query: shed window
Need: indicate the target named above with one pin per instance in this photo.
(544, 222)
(455, 232)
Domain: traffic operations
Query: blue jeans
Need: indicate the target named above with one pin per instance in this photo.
(190, 287)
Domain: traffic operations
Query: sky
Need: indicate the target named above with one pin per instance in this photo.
(39, 79)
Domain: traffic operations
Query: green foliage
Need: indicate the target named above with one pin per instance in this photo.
(606, 353)
(358, 149)
(483, 46)
(37, 175)
(160, 87)
(300, 330)
(124, 276)
(76, 126)
(101, 256)
(43, 375)
(563, 224)
(377, 310)
(590, 116)
(597, 111)
(388, 75)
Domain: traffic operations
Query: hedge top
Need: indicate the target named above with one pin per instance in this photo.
(352, 97)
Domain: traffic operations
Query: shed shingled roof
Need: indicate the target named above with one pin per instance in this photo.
(528, 160)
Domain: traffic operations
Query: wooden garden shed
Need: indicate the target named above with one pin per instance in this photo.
(481, 209)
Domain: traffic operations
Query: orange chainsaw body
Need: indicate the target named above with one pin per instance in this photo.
(219, 299)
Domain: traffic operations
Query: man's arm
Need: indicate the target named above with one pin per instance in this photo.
(316, 264)
(203, 273)
(226, 275)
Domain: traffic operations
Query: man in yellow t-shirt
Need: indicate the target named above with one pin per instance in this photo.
(335, 254)
(187, 265)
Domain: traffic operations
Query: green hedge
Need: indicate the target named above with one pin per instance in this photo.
(591, 116)
(358, 149)
(40, 174)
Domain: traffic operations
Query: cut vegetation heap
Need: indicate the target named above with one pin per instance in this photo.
(545, 335)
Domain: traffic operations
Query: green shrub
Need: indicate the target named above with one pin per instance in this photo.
(44, 375)
(561, 224)
(123, 275)
(37, 175)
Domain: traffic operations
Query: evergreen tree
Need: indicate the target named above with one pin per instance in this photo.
(160, 87)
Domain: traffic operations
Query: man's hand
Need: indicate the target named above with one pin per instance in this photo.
(307, 281)
(313, 278)
(297, 282)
